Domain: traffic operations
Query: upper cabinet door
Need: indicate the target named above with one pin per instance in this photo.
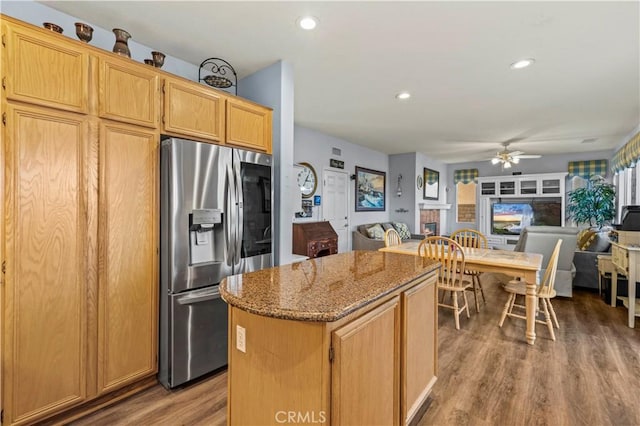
(248, 125)
(129, 92)
(46, 69)
(193, 110)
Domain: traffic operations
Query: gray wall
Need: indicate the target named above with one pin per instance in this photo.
(315, 148)
(273, 87)
(412, 165)
(404, 164)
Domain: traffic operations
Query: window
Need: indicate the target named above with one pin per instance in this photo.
(624, 189)
(466, 202)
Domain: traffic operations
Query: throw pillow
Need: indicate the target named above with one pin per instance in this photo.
(403, 230)
(376, 232)
(585, 238)
(386, 226)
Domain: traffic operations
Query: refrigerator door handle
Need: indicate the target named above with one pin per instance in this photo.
(230, 221)
(237, 165)
(202, 297)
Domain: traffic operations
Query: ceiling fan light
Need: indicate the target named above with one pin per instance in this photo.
(495, 161)
(523, 63)
(507, 165)
(308, 22)
(515, 160)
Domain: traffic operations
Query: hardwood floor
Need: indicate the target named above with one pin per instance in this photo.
(487, 375)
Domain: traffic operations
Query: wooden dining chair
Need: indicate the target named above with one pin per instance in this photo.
(392, 238)
(451, 276)
(544, 292)
(475, 239)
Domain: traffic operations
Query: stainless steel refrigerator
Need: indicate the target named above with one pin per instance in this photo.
(215, 221)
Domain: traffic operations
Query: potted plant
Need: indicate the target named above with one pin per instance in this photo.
(595, 204)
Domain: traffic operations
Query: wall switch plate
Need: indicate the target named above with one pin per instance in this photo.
(241, 342)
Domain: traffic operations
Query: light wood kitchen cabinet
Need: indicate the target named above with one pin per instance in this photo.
(128, 265)
(46, 68)
(418, 359)
(79, 247)
(248, 125)
(193, 110)
(129, 92)
(365, 375)
(47, 280)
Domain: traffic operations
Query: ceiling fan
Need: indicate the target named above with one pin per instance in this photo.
(507, 158)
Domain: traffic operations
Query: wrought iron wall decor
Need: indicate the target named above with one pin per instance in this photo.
(218, 73)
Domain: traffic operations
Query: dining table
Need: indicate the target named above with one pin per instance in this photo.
(522, 265)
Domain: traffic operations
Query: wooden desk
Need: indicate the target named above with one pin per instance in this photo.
(605, 266)
(626, 258)
(512, 263)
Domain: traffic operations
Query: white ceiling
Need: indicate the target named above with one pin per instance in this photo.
(453, 57)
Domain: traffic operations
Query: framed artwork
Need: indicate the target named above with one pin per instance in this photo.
(431, 187)
(370, 190)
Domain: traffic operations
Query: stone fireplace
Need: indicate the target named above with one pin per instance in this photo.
(430, 220)
(430, 228)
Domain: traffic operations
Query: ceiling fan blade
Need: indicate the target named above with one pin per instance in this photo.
(528, 156)
(515, 153)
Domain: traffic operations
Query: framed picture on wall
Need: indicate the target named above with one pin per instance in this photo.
(370, 190)
(431, 187)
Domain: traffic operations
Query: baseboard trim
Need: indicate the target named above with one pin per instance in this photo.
(103, 401)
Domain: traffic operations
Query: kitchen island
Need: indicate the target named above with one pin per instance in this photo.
(343, 339)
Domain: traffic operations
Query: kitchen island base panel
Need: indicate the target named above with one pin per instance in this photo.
(284, 369)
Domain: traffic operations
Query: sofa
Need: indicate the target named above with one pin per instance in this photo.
(361, 239)
(542, 239)
(590, 246)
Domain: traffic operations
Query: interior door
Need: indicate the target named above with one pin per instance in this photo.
(336, 205)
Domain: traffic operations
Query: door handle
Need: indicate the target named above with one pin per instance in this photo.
(237, 166)
(230, 222)
(203, 297)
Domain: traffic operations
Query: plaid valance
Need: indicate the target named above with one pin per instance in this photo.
(465, 176)
(586, 169)
(628, 155)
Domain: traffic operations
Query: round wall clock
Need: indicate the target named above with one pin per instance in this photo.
(419, 181)
(307, 180)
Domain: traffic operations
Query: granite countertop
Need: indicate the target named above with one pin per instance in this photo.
(323, 289)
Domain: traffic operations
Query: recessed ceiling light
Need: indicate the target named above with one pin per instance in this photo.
(523, 63)
(403, 95)
(308, 22)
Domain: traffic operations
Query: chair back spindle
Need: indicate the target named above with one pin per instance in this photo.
(449, 254)
(470, 238)
(392, 238)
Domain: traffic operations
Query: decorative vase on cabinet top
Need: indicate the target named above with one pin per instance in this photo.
(84, 32)
(121, 47)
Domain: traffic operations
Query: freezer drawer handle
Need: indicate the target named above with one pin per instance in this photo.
(189, 300)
